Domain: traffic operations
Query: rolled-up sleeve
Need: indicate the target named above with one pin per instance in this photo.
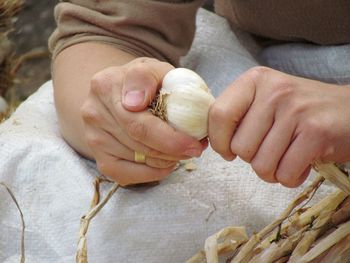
(160, 29)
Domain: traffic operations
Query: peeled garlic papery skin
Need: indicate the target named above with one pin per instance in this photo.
(186, 100)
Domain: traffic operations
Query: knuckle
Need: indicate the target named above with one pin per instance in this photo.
(144, 60)
(322, 135)
(152, 152)
(318, 128)
(103, 82)
(217, 113)
(279, 87)
(296, 108)
(312, 126)
(179, 145)
(100, 83)
(93, 140)
(137, 130)
(258, 72)
(88, 113)
(264, 171)
(140, 68)
(279, 91)
(241, 150)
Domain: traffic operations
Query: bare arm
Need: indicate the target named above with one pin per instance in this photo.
(72, 72)
(99, 116)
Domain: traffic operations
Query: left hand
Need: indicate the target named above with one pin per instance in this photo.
(281, 124)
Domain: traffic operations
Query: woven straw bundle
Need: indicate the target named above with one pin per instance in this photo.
(318, 233)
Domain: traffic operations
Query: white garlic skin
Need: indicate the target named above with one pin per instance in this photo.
(187, 101)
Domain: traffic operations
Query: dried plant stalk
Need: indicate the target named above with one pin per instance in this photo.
(226, 240)
(96, 198)
(8, 8)
(339, 253)
(343, 214)
(247, 250)
(320, 233)
(282, 260)
(32, 54)
(327, 242)
(329, 203)
(310, 236)
(22, 220)
(278, 249)
(332, 173)
(81, 256)
(198, 258)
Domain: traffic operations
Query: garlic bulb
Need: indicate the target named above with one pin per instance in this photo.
(184, 101)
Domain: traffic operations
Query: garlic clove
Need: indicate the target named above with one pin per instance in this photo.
(182, 77)
(184, 102)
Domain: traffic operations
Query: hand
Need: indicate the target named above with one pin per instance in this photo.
(281, 124)
(114, 133)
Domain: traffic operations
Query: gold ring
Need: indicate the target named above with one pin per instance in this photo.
(139, 157)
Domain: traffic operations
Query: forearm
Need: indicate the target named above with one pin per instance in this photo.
(72, 71)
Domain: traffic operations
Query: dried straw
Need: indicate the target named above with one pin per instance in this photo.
(320, 233)
(22, 220)
(247, 250)
(96, 206)
(8, 8)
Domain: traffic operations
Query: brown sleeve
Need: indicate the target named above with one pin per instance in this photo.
(163, 29)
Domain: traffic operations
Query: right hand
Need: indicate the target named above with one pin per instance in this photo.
(117, 123)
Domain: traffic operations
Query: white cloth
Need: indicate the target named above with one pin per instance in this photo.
(165, 223)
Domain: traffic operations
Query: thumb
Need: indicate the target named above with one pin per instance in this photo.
(141, 83)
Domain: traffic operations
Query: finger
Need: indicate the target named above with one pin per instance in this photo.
(271, 151)
(141, 126)
(252, 131)
(95, 113)
(155, 133)
(150, 151)
(142, 80)
(127, 173)
(297, 159)
(227, 112)
(205, 143)
(101, 141)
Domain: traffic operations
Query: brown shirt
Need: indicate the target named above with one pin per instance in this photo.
(164, 29)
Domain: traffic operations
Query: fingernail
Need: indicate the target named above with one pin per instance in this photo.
(134, 98)
(193, 152)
